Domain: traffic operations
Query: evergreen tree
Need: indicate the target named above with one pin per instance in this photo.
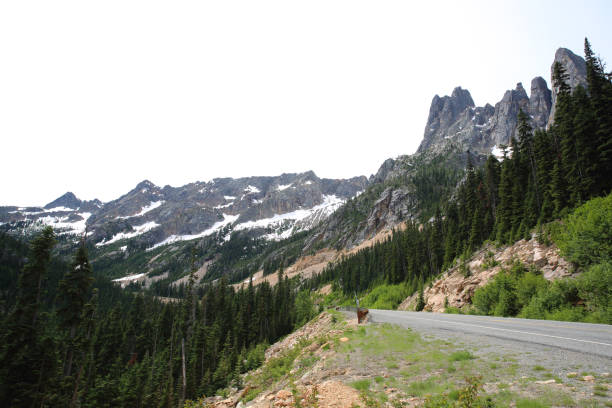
(73, 293)
(24, 361)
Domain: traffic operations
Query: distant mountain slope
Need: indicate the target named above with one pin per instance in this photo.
(272, 207)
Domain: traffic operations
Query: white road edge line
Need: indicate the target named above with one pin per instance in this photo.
(513, 331)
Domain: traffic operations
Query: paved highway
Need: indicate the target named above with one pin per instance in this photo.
(593, 339)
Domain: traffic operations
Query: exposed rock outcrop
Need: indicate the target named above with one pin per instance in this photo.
(444, 114)
(455, 119)
(483, 266)
(68, 200)
(480, 129)
(504, 120)
(540, 102)
(575, 67)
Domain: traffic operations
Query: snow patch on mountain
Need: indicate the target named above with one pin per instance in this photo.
(62, 225)
(282, 187)
(145, 209)
(43, 211)
(60, 209)
(252, 189)
(227, 219)
(150, 207)
(218, 207)
(130, 277)
(126, 280)
(284, 225)
(138, 230)
(499, 153)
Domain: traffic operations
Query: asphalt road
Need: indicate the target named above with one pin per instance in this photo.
(593, 339)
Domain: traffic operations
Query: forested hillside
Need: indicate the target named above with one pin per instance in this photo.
(80, 341)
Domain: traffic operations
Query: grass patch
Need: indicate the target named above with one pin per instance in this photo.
(432, 385)
(538, 368)
(251, 394)
(530, 403)
(461, 355)
(361, 385)
(600, 390)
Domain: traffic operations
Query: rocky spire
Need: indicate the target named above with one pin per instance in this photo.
(540, 102)
(443, 113)
(505, 117)
(576, 71)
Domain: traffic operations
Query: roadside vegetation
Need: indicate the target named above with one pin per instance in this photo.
(585, 238)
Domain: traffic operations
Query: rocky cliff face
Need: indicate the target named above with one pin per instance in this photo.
(455, 119)
(480, 129)
(540, 102)
(575, 67)
(273, 207)
(447, 115)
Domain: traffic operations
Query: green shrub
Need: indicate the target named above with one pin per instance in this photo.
(595, 287)
(361, 385)
(585, 236)
(461, 355)
(386, 296)
(489, 261)
(528, 286)
(567, 314)
(466, 397)
(498, 297)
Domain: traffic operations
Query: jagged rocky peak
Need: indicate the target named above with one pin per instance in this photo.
(443, 113)
(453, 120)
(540, 102)
(68, 200)
(504, 121)
(480, 129)
(144, 186)
(575, 66)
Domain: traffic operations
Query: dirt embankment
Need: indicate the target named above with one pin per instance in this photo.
(459, 283)
(315, 387)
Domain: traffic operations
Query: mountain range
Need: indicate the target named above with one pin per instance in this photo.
(340, 212)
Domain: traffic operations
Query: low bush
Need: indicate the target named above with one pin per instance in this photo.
(587, 298)
(585, 235)
(386, 296)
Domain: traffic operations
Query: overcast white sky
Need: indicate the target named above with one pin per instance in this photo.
(97, 96)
